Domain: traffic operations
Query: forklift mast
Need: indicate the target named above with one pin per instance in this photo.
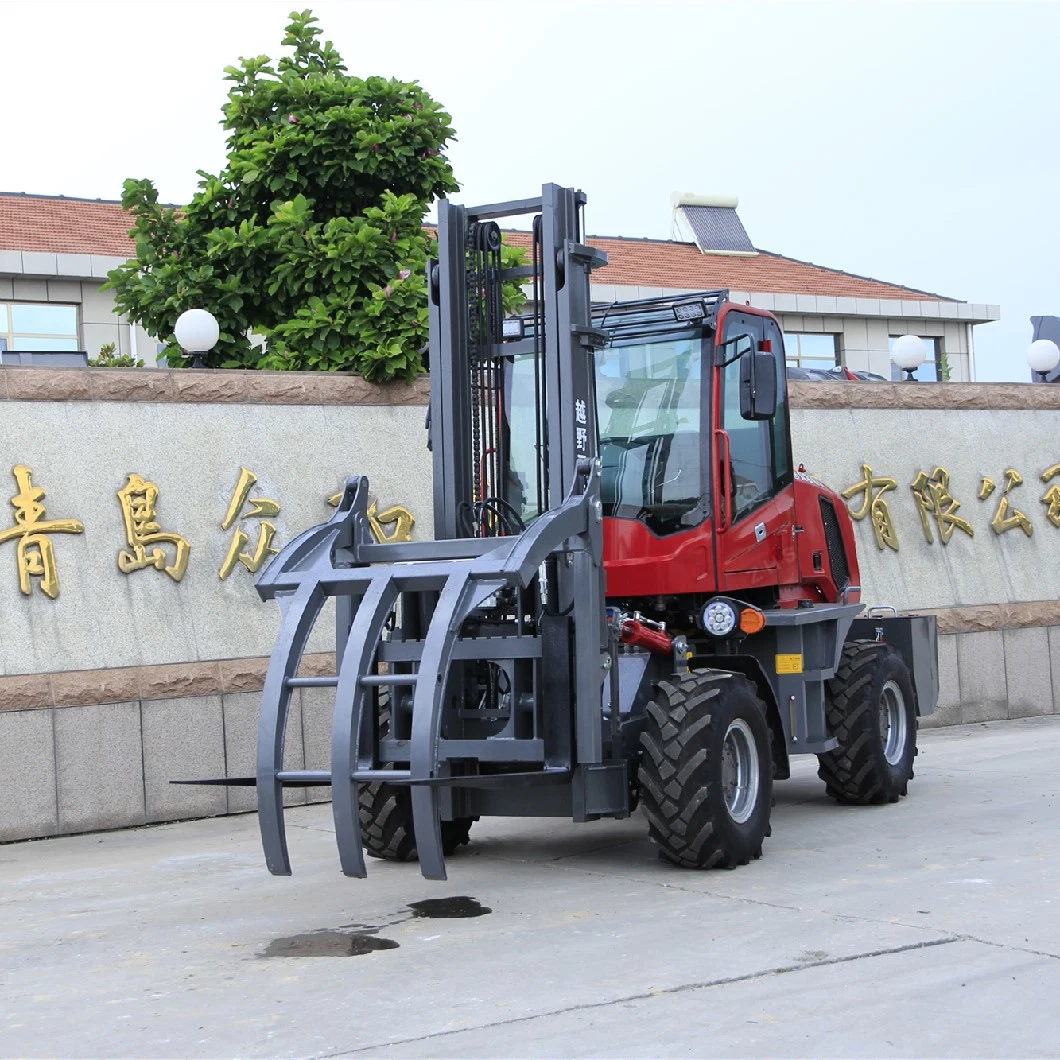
(470, 667)
(473, 376)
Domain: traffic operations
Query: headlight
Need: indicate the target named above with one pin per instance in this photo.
(719, 618)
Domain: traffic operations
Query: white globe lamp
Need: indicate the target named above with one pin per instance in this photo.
(909, 353)
(1043, 355)
(197, 333)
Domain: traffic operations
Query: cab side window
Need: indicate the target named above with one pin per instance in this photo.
(750, 441)
(779, 426)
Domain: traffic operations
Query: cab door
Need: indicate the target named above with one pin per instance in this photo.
(753, 495)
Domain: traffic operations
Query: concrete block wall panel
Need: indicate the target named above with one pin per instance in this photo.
(948, 710)
(954, 337)
(39, 263)
(981, 662)
(97, 307)
(879, 335)
(960, 367)
(146, 347)
(183, 739)
(318, 707)
(101, 265)
(99, 763)
(74, 265)
(855, 333)
(28, 802)
(241, 710)
(68, 291)
(1054, 665)
(93, 336)
(30, 290)
(1028, 680)
(124, 348)
(789, 322)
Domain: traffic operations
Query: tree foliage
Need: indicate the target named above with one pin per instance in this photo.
(312, 235)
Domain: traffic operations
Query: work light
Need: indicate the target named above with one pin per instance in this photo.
(719, 618)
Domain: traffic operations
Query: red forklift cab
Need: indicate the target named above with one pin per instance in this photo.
(669, 409)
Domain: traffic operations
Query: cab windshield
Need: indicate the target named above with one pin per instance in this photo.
(648, 402)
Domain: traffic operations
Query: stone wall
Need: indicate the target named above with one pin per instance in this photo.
(125, 681)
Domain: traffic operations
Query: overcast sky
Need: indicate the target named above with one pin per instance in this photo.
(913, 142)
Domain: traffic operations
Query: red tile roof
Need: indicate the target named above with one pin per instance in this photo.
(93, 226)
(64, 226)
(659, 263)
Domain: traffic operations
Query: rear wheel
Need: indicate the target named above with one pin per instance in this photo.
(706, 775)
(871, 710)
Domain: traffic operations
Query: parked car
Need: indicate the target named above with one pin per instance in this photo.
(832, 375)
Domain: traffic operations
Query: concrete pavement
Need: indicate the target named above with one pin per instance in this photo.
(930, 927)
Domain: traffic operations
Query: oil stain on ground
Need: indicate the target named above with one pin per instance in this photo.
(328, 944)
(449, 908)
(354, 943)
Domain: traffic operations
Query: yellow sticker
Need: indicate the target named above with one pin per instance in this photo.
(789, 664)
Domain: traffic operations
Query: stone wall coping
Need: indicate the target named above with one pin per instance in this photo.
(199, 386)
(222, 386)
(78, 688)
(807, 394)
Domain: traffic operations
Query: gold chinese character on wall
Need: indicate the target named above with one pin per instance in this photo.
(933, 498)
(144, 533)
(1002, 521)
(1051, 498)
(397, 516)
(875, 506)
(36, 553)
(260, 508)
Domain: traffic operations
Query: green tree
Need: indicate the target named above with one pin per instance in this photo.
(312, 235)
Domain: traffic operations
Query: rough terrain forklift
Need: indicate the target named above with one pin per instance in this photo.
(632, 598)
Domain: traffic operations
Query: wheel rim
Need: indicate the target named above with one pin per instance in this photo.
(893, 722)
(739, 771)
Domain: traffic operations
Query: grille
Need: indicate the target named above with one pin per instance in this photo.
(837, 554)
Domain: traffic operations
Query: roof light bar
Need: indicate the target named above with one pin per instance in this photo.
(686, 311)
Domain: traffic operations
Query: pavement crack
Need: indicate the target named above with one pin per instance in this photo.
(647, 995)
(1016, 948)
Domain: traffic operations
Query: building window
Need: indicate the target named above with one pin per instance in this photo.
(809, 350)
(930, 371)
(35, 326)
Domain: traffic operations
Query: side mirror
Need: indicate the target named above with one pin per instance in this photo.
(758, 386)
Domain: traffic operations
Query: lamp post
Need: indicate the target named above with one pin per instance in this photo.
(909, 353)
(197, 333)
(1043, 355)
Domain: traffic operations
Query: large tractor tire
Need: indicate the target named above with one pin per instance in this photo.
(386, 824)
(871, 710)
(385, 812)
(706, 774)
